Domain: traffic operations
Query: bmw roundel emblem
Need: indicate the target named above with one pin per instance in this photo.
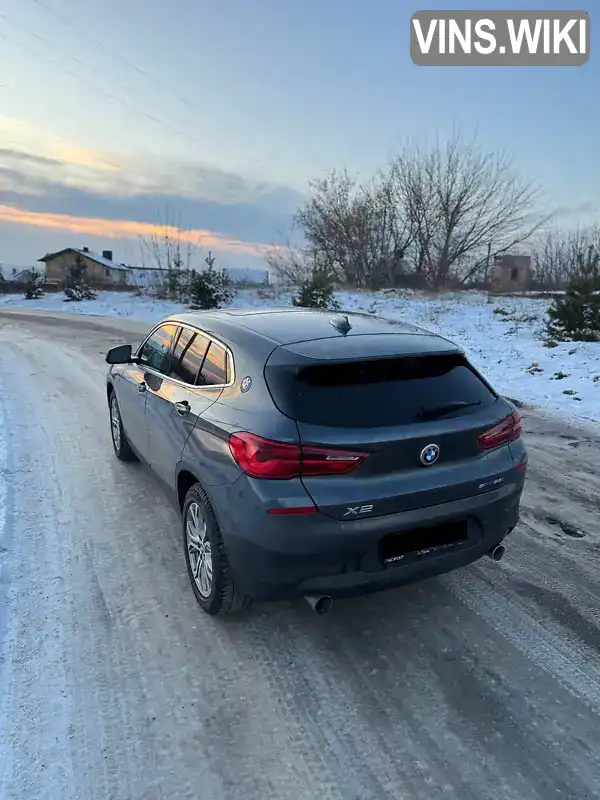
(429, 455)
(246, 383)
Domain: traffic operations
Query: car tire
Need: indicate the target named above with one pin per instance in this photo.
(208, 569)
(121, 445)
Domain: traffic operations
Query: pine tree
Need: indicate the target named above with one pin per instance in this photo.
(77, 286)
(210, 288)
(575, 317)
(33, 285)
(316, 292)
(175, 278)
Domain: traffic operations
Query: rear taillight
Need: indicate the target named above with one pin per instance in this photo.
(506, 431)
(263, 458)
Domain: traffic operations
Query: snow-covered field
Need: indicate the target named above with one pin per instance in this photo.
(503, 338)
(4, 582)
(3, 477)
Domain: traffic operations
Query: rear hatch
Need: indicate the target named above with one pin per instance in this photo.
(388, 411)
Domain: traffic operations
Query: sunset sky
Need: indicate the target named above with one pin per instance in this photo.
(217, 113)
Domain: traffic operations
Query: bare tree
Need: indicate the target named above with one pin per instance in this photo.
(559, 256)
(351, 233)
(416, 194)
(296, 264)
(172, 257)
(551, 260)
(442, 212)
(460, 199)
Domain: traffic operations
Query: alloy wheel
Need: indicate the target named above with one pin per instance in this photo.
(199, 550)
(115, 423)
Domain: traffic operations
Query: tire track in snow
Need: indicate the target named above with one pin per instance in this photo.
(553, 648)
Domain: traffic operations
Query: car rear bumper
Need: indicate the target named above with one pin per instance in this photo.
(276, 558)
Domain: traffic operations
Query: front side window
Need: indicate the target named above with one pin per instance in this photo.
(156, 347)
(187, 357)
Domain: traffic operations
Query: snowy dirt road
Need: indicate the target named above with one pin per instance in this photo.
(477, 685)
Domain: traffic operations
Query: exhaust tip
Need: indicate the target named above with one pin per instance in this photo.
(320, 604)
(497, 553)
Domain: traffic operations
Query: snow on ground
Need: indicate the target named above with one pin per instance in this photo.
(503, 338)
(4, 581)
(3, 477)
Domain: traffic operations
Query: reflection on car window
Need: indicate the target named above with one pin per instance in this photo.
(214, 370)
(156, 347)
(187, 356)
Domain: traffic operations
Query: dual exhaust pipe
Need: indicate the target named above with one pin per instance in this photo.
(497, 553)
(321, 603)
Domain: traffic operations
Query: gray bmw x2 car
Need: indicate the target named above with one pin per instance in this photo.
(317, 455)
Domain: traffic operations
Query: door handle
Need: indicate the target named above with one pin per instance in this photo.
(142, 387)
(182, 408)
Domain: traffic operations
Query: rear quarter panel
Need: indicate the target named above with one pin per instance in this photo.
(207, 453)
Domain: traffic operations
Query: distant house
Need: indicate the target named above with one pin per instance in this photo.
(101, 269)
(9, 272)
(511, 274)
(153, 277)
(23, 275)
(146, 277)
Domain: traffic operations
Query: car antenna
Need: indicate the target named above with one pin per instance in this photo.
(341, 323)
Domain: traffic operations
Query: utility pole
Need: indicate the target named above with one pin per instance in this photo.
(487, 266)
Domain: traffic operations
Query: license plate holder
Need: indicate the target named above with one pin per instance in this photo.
(423, 541)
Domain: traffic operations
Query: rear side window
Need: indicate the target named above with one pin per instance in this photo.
(376, 393)
(188, 355)
(214, 369)
(156, 347)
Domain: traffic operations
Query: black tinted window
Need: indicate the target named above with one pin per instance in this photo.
(368, 394)
(157, 346)
(214, 371)
(187, 356)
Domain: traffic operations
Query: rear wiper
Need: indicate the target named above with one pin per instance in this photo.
(446, 408)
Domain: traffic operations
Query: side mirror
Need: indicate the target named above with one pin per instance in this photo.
(119, 355)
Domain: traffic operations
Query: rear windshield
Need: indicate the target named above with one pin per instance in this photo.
(376, 393)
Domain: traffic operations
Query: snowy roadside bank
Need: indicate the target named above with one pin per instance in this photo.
(503, 338)
(6, 616)
(3, 483)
